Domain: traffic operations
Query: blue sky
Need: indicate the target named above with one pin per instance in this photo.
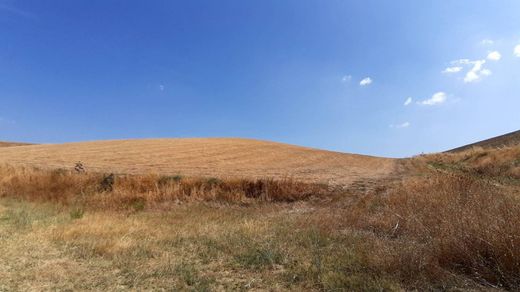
(326, 74)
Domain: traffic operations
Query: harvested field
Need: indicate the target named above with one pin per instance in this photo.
(210, 157)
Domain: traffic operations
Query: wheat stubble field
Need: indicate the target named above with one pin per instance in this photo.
(210, 157)
(240, 215)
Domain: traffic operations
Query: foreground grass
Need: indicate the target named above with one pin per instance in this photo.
(196, 247)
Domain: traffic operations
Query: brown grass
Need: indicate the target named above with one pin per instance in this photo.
(501, 163)
(140, 191)
(446, 224)
(212, 157)
(449, 223)
(455, 215)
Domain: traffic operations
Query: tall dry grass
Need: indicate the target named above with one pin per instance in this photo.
(138, 191)
(440, 224)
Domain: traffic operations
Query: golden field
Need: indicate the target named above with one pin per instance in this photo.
(430, 223)
(210, 157)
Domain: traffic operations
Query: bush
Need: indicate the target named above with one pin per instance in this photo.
(107, 183)
(77, 213)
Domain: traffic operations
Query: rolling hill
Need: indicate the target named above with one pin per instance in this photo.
(510, 139)
(208, 157)
(11, 144)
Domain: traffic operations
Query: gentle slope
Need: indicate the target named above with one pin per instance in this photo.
(210, 157)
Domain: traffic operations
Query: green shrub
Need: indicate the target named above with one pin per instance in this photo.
(77, 213)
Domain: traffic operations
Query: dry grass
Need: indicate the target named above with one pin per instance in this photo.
(441, 224)
(213, 157)
(191, 248)
(508, 140)
(145, 191)
(499, 164)
(449, 223)
(455, 214)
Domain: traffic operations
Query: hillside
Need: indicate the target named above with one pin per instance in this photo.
(448, 221)
(11, 144)
(209, 157)
(510, 139)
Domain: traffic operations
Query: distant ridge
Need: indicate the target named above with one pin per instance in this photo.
(510, 139)
(11, 144)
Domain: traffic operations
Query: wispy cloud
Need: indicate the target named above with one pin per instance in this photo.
(461, 62)
(438, 98)
(4, 121)
(366, 81)
(487, 42)
(454, 69)
(161, 87)
(494, 56)
(408, 101)
(400, 126)
(517, 50)
(346, 78)
(16, 11)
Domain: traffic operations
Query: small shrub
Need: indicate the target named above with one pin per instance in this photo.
(107, 183)
(77, 213)
(79, 167)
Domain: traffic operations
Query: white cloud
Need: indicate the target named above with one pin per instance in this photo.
(475, 69)
(461, 62)
(476, 72)
(437, 98)
(487, 42)
(485, 72)
(471, 76)
(517, 50)
(346, 78)
(454, 69)
(494, 56)
(161, 87)
(408, 101)
(366, 81)
(400, 126)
